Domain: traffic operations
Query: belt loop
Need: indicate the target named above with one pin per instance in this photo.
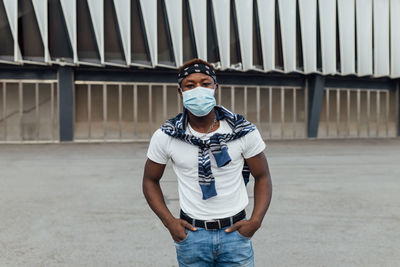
(194, 222)
(231, 219)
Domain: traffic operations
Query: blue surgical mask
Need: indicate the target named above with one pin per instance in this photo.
(199, 101)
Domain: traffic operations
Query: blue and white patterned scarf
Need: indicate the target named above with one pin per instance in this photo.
(176, 127)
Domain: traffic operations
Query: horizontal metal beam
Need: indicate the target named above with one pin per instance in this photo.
(364, 83)
(27, 72)
(162, 75)
(169, 76)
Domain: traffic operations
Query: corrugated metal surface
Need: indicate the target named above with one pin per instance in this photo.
(364, 30)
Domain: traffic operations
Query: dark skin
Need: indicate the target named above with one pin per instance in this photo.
(258, 167)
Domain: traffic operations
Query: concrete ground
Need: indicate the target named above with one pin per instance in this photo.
(335, 203)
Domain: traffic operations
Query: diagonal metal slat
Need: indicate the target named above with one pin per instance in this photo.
(149, 9)
(174, 10)
(96, 9)
(123, 11)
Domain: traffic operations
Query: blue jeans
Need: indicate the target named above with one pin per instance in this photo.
(214, 248)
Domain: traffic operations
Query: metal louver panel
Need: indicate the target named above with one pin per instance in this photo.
(244, 10)
(174, 10)
(198, 9)
(11, 9)
(149, 9)
(97, 14)
(266, 13)
(346, 17)
(123, 11)
(69, 9)
(341, 37)
(364, 37)
(395, 38)
(222, 14)
(287, 13)
(381, 37)
(308, 22)
(327, 16)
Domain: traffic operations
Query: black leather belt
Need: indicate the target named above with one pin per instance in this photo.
(214, 224)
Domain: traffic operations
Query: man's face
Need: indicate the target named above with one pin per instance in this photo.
(197, 79)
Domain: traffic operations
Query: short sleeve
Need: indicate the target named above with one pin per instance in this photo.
(253, 144)
(158, 148)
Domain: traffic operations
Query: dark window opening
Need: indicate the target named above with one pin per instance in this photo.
(6, 38)
(113, 48)
(278, 39)
(235, 55)
(355, 40)
(189, 44)
(212, 44)
(338, 66)
(29, 38)
(87, 45)
(319, 52)
(257, 48)
(59, 42)
(299, 44)
(139, 48)
(164, 41)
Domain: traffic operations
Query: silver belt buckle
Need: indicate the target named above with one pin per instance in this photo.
(205, 223)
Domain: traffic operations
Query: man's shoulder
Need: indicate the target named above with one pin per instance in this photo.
(159, 135)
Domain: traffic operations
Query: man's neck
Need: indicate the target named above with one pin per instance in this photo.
(203, 124)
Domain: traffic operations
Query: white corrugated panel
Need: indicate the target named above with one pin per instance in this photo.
(123, 11)
(266, 14)
(12, 14)
(381, 38)
(395, 38)
(222, 15)
(346, 17)
(174, 10)
(244, 11)
(96, 9)
(308, 25)
(198, 11)
(327, 16)
(69, 10)
(364, 37)
(149, 9)
(287, 14)
(40, 7)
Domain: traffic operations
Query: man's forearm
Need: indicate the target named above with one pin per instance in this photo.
(262, 198)
(154, 196)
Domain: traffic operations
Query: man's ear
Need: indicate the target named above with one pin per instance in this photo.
(216, 89)
(179, 91)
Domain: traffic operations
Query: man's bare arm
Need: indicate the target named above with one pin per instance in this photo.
(152, 191)
(262, 195)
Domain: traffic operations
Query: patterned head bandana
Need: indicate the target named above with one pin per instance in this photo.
(196, 68)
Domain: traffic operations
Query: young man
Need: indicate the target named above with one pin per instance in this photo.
(212, 151)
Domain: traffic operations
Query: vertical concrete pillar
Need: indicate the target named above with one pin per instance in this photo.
(398, 106)
(316, 85)
(66, 114)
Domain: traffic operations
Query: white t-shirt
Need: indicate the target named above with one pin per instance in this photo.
(231, 192)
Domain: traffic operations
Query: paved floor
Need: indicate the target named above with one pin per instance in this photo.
(335, 203)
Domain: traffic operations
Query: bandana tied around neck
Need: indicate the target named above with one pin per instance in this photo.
(216, 144)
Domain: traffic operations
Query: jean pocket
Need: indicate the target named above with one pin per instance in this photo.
(242, 236)
(187, 232)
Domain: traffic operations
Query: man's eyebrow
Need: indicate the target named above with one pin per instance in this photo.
(192, 81)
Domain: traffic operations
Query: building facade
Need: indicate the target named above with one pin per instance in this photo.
(105, 70)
